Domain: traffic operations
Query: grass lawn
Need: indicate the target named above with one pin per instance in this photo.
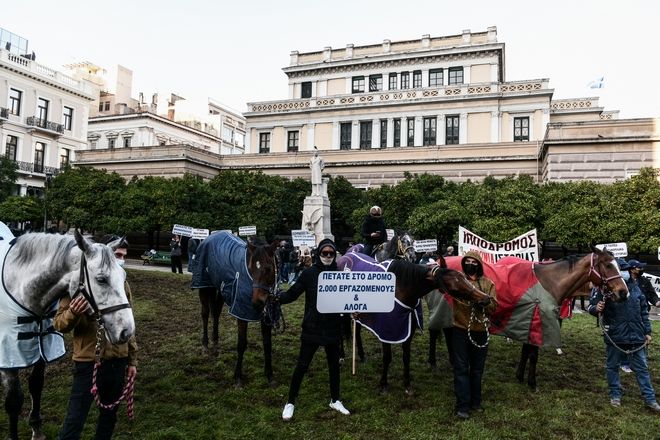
(184, 394)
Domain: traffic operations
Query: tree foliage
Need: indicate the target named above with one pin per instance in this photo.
(8, 176)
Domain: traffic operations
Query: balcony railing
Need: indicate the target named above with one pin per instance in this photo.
(44, 124)
(30, 167)
(4, 113)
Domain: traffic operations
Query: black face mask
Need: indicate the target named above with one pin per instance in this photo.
(471, 269)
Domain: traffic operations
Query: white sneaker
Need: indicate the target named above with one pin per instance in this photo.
(338, 406)
(626, 369)
(560, 351)
(288, 412)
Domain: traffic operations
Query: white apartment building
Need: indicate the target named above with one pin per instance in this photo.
(43, 116)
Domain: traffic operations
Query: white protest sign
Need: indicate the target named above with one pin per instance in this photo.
(390, 234)
(343, 292)
(618, 249)
(247, 230)
(524, 246)
(425, 245)
(301, 237)
(183, 230)
(200, 234)
(655, 282)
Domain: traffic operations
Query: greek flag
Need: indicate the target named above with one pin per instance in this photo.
(597, 83)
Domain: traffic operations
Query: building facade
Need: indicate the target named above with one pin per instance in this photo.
(43, 118)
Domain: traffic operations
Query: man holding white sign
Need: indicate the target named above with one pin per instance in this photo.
(318, 329)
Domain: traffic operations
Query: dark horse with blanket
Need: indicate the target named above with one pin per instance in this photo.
(529, 295)
(412, 283)
(246, 276)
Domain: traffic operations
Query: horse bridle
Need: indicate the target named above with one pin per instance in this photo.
(85, 289)
(435, 270)
(401, 249)
(607, 292)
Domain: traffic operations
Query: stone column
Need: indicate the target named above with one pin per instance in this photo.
(425, 77)
(336, 132)
(466, 75)
(390, 132)
(441, 130)
(463, 129)
(375, 133)
(404, 132)
(355, 135)
(419, 131)
(495, 118)
(310, 136)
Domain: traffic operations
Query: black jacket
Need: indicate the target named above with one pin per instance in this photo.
(317, 328)
(647, 289)
(371, 224)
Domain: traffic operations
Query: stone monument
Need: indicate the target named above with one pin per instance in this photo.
(316, 209)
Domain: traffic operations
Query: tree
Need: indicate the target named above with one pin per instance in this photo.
(344, 199)
(8, 176)
(21, 209)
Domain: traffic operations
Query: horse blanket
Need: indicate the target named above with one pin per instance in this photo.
(526, 312)
(393, 327)
(221, 262)
(25, 337)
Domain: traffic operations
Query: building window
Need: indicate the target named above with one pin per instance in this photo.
(107, 106)
(264, 143)
(365, 135)
(520, 129)
(411, 131)
(111, 143)
(39, 151)
(397, 133)
(436, 77)
(101, 106)
(127, 142)
(392, 81)
(358, 84)
(417, 79)
(42, 109)
(15, 98)
(375, 83)
(306, 89)
(455, 75)
(429, 131)
(65, 155)
(68, 118)
(383, 133)
(405, 80)
(293, 138)
(11, 148)
(345, 132)
(451, 133)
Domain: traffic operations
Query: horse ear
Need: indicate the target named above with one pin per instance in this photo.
(443, 263)
(115, 244)
(82, 242)
(595, 250)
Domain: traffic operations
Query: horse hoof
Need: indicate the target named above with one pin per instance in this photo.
(341, 360)
(40, 436)
(409, 391)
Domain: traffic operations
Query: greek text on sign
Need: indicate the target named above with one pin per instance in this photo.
(524, 246)
(618, 249)
(425, 245)
(347, 292)
(200, 234)
(390, 234)
(247, 230)
(301, 237)
(186, 231)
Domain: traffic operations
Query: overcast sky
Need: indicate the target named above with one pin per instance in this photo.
(234, 51)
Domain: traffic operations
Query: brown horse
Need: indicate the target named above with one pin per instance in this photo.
(246, 276)
(412, 283)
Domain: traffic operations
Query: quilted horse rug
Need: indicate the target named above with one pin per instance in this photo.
(526, 312)
(221, 262)
(393, 327)
(25, 337)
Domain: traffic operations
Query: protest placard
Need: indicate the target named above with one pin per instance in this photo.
(347, 292)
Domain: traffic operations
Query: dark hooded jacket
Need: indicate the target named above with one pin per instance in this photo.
(462, 310)
(373, 224)
(318, 328)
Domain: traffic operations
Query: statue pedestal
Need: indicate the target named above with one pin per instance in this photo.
(316, 215)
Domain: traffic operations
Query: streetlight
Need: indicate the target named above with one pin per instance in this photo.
(49, 177)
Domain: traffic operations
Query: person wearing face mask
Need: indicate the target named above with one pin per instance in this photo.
(636, 272)
(119, 361)
(627, 332)
(318, 329)
(470, 339)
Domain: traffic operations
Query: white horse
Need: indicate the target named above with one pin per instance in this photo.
(38, 269)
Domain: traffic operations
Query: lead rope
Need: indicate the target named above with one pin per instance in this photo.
(607, 336)
(127, 392)
(485, 322)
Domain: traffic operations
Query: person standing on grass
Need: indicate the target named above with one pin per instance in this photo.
(318, 329)
(627, 331)
(119, 361)
(175, 254)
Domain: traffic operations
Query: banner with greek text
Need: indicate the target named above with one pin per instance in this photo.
(347, 292)
(247, 230)
(524, 246)
(619, 250)
(302, 237)
(185, 231)
(425, 245)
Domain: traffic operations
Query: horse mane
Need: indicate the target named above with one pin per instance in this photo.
(571, 260)
(411, 275)
(57, 247)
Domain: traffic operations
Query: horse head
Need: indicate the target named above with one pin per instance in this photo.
(405, 248)
(263, 269)
(457, 285)
(101, 281)
(604, 273)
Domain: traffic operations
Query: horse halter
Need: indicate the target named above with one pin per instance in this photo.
(85, 289)
(401, 250)
(607, 292)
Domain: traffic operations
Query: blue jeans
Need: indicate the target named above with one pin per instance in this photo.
(110, 382)
(469, 362)
(638, 364)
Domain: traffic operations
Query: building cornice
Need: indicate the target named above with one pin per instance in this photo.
(147, 115)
